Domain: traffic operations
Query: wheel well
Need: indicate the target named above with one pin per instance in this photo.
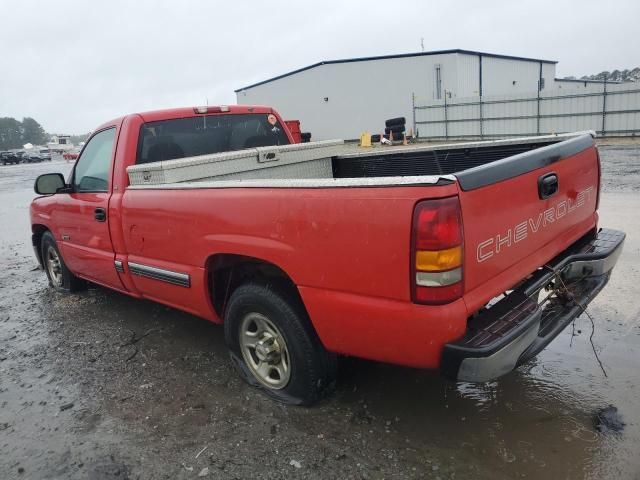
(226, 272)
(36, 238)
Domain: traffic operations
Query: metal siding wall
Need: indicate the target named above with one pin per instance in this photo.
(549, 75)
(463, 112)
(620, 99)
(497, 107)
(468, 75)
(436, 114)
(571, 86)
(560, 111)
(362, 95)
(498, 75)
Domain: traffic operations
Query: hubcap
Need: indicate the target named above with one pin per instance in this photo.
(54, 267)
(265, 351)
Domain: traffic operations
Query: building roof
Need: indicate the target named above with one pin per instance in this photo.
(400, 55)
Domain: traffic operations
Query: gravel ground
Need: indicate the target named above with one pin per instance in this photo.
(101, 386)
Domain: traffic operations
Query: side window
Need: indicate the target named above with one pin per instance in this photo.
(92, 170)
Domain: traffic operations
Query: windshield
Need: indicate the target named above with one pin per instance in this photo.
(202, 135)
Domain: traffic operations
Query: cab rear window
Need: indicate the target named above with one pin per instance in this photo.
(206, 134)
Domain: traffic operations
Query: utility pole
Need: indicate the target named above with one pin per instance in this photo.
(422, 43)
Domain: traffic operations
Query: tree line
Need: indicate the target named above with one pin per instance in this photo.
(15, 133)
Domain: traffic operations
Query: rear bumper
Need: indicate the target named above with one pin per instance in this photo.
(519, 326)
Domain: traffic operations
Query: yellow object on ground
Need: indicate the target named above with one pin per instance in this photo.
(365, 139)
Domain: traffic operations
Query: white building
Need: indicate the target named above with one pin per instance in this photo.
(342, 98)
(60, 143)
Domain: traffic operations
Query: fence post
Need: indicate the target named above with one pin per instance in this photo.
(539, 89)
(480, 92)
(538, 115)
(413, 109)
(604, 107)
(481, 128)
(446, 119)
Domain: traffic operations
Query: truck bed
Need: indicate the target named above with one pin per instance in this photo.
(322, 163)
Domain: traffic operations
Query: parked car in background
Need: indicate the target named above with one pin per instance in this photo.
(32, 157)
(36, 155)
(9, 158)
(45, 154)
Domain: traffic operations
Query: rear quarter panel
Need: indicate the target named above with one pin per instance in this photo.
(353, 240)
(347, 250)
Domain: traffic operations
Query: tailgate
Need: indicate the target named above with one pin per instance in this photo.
(521, 211)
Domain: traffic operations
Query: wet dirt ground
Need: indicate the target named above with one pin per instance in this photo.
(101, 386)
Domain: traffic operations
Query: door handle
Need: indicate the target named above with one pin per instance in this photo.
(547, 185)
(100, 214)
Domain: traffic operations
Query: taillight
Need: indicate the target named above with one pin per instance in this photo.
(436, 251)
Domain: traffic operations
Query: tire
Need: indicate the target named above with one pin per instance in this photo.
(393, 122)
(60, 278)
(289, 364)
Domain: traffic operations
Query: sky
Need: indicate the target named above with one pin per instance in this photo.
(73, 65)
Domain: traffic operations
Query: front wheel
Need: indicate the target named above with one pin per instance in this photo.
(274, 346)
(58, 274)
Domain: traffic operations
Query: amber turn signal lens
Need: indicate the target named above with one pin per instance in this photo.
(436, 261)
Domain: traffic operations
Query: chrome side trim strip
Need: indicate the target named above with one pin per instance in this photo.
(169, 276)
(119, 266)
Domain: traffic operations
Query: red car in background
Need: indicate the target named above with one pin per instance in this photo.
(71, 154)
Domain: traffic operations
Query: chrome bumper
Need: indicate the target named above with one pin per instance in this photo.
(517, 328)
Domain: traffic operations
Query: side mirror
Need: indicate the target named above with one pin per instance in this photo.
(49, 183)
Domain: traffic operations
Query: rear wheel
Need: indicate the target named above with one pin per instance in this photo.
(265, 351)
(58, 274)
(274, 346)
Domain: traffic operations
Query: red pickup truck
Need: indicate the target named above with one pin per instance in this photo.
(464, 258)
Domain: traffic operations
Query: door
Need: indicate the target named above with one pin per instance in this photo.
(82, 216)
